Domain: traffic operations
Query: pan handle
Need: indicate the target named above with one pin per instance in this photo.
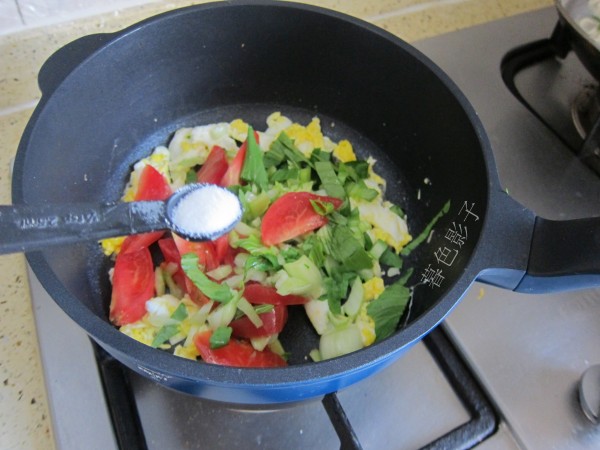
(66, 59)
(564, 255)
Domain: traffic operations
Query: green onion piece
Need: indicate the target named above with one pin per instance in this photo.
(254, 168)
(425, 233)
(220, 337)
(165, 333)
(215, 291)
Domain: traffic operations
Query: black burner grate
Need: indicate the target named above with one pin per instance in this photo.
(482, 424)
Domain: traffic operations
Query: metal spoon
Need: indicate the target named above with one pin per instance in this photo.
(197, 212)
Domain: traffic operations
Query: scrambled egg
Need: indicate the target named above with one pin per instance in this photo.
(387, 225)
(373, 288)
(366, 325)
(344, 152)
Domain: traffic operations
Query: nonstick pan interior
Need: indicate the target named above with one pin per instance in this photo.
(219, 62)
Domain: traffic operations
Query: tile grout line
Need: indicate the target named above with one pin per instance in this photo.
(413, 9)
(20, 12)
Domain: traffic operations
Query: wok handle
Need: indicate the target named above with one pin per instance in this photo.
(66, 59)
(25, 228)
(564, 255)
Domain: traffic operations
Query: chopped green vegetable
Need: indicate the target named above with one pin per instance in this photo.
(348, 251)
(284, 149)
(329, 179)
(391, 258)
(425, 233)
(387, 309)
(180, 313)
(215, 291)
(220, 337)
(165, 333)
(254, 168)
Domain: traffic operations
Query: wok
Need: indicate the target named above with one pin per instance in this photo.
(108, 99)
(570, 12)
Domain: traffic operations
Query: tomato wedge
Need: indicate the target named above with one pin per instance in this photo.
(273, 322)
(152, 185)
(214, 167)
(292, 215)
(258, 294)
(232, 176)
(171, 255)
(133, 285)
(207, 255)
(236, 353)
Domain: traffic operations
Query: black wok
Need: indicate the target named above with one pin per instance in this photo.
(109, 99)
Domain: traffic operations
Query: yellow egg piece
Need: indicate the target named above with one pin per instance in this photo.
(188, 352)
(238, 129)
(112, 245)
(373, 288)
(366, 325)
(344, 152)
(306, 138)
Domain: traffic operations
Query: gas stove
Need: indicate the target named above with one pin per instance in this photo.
(502, 371)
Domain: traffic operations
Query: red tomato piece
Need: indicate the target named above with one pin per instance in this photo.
(152, 185)
(133, 285)
(292, 215)
(236, 353)
(257, 293)
(222, 247)
(171, 255)
(137, 242)
(273, 322)
(232, 176)
(214, 167)
(207, 255)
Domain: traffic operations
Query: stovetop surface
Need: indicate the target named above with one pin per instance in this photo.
(528, 352)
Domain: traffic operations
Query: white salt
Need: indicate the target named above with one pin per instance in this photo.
(206, 211)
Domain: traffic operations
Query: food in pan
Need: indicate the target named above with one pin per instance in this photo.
(316, 233)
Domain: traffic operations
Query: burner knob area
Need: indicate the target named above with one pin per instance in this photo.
(589, 393)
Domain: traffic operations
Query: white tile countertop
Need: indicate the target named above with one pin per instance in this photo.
(30, 31)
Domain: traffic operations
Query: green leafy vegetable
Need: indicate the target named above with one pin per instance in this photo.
(391, 258)
(284, 149)
(348, 250)
(253, 169)
(387, 309)
(220, 337)
(329, 179)
(215, 291)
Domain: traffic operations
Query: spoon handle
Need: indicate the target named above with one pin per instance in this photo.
(25, 228)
